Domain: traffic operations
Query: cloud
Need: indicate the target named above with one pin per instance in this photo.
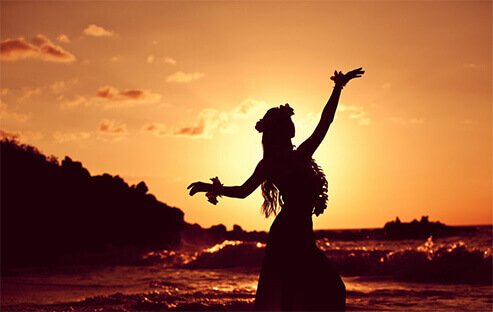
(4, 114)
(182, 77)
(63, 38)
(57, 86)
(20, 135)
(112, 127)
(67, 137)
(105, 138)
(70, 104)
(210, 121)
(51, 52)
(249, 108)
(157, 129)
(41, 48)
(151, 59)
(473, 66)
(115, 59)
(309, 121)
(356, 112)
(13, 49)
(110, 93)
(405, 121)
(169, 60)
(28, 92)
(61, 85)
(346, 108)
(197, 130)
(4, 91)
(97, 31)
(112, 97)
(9, 135)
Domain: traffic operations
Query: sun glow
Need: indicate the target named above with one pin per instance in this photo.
(173, 97)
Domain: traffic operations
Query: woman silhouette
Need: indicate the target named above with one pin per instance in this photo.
(295, 274)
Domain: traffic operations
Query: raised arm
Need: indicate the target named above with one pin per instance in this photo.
(311, 144)
(242, 191)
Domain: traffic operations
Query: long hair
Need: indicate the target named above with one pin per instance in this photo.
(272, 199)
(277, 130)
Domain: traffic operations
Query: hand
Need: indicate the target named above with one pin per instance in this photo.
(199, 187)
(342, 79)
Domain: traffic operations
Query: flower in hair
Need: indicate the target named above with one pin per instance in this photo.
(260, 126)
(286, 109)
(216, 191)
(273, 116)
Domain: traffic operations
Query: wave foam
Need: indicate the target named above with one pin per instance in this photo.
(429, 262)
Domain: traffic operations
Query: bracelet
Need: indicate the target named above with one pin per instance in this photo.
(215, 192)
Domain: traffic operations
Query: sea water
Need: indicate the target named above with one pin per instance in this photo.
(452, 273)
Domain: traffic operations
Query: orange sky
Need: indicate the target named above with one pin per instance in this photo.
(169, 92)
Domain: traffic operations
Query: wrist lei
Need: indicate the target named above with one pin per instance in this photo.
(215, 192)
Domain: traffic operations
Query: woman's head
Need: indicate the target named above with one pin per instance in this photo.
(277, 126)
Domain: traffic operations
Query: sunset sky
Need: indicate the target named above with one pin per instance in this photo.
(168, 92)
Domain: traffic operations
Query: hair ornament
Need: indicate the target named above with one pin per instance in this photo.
(286, 109)
(272, 117)
(260, 125)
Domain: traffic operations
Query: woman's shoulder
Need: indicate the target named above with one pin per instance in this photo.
(301, 155)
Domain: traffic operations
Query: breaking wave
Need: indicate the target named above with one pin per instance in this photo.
(429, 262)
(444, 263)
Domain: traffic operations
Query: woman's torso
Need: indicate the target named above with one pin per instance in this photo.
(293, 175)
(295, 179)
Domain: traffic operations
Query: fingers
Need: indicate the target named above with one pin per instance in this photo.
(357, 71)
(195, 187)
(192, 189)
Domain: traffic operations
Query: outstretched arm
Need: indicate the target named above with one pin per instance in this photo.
(311, 144)
(242, 191)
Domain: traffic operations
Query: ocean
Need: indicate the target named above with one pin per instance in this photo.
(451, 273)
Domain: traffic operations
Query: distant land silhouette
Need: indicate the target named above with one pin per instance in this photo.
(52, 209)
(55, 212)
